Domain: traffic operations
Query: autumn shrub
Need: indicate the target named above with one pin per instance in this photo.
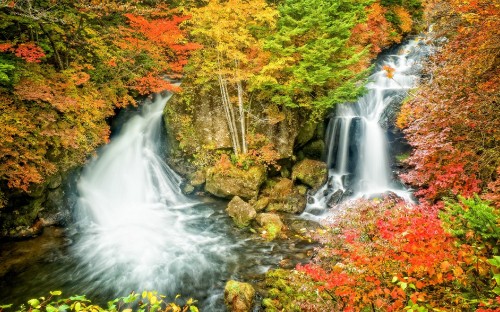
(452, 120)
(149, 301)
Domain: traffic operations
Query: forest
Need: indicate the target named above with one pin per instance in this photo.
(257, 80)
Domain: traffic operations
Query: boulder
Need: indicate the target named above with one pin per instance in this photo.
(238, 296)
(312, 173)
(284, 196)
(271, 223)
(234, 181)
(240, 211)
(335, 198)
(306, 133)
(314, 149)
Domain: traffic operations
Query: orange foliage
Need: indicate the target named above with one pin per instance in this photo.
(29, 52)
(404, 17)
(376, 31)
(386, 253)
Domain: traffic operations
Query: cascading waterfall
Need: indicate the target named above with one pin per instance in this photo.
(136, 226)
(357, 147)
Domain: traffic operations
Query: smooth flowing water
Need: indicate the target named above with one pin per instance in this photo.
(357, 146)
(134, 231)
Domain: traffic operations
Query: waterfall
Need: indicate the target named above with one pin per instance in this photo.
(137, 230)
(357, 148)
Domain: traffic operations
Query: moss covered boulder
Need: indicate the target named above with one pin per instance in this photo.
(284, 196)
(312, 173)
(233, 181)
(271, 225)
(238, 296)
(241, 212)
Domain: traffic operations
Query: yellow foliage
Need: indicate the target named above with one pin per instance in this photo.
(405, 19)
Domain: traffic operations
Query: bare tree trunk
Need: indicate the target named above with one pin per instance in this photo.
(226, 105)
(233, 117)
(242, 117)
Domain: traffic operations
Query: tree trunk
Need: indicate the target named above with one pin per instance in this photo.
(242, 117)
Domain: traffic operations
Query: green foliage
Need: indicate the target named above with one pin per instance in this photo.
(312, 65)
(147, 301)
(476, 215)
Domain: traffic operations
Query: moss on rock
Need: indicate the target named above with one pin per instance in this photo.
(234, 181)
(312, 173)
(241, 212)
(238, 296)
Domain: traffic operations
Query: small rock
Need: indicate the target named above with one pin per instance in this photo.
(261, 204)
(335, 198)
(238, 296)
(240, 211)
(271, 223)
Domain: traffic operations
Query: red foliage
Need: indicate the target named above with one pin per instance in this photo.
(386, 254)
(453, 120)
(29, 52)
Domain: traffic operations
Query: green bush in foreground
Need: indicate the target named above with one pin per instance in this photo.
(146, 302)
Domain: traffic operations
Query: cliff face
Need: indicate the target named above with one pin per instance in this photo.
(196, 124)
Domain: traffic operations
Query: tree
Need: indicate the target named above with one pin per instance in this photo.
(230, 32)
(312, 64)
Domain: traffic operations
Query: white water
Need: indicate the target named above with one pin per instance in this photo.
(136, 225)
(357, 147)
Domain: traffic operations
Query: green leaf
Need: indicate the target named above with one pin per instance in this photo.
(50, 308)
(78, 306)
(403, 285)
(56, 293)
(193, 309)
(6, 306)
(79, 298)
(34, 302)
(130, 298)
(495, 261)
(496, 290)
(394, 279)
(64, 307)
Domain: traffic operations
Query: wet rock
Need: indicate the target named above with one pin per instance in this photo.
(197, 179)
(187, 189)
(314, 149)
(235, 181)
(335, 198)
(238, 296)
(284, 196)
(310, 172)
(241, 212)
(261, 204)
(347, 193)
(271, 223)
(310, 200)
(53, 212)
(306, 133)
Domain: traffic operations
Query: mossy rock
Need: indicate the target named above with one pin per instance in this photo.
(284, 196)
(235, 181)
(241, 212)
(312, 173)
(238, 296)
(306, 133)
(271, 224)
(314, 149)
(261, 203)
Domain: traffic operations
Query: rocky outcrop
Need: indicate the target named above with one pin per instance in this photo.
(312, 173)
(235, 181)
(271, 225)
(284, 196)
(238, 296)
(241, 212)
(27, 213)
